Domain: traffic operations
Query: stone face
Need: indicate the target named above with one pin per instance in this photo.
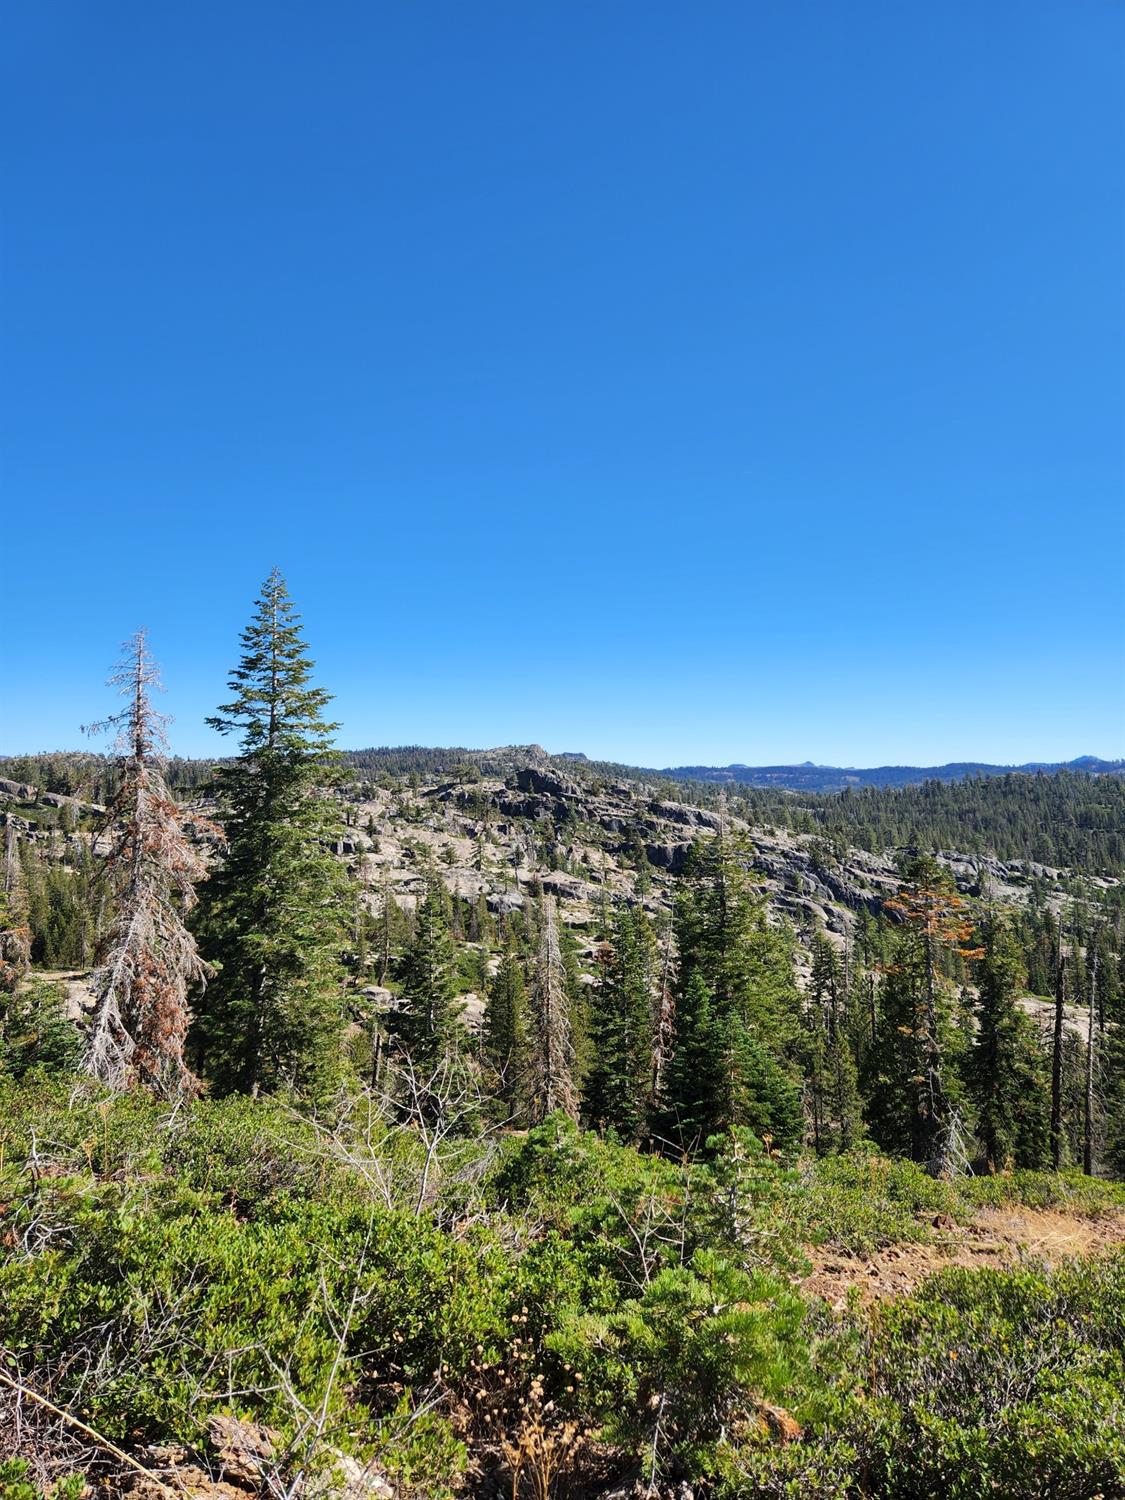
(546, 783)
(671, 857)
(569, 887)
(56, 799)
(690, 817)
(533, 806)
(19, 790)
(496, 840)
(503, 903)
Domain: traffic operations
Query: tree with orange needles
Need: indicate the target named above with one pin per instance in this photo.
(149, 961)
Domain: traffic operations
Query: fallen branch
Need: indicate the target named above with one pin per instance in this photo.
(25, 1391)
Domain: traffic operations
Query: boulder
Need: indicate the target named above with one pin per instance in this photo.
(57, 799)
(568, 887)
(546, 783)
(668, 856)
(20, 790)
(503, 903)
(689, 817)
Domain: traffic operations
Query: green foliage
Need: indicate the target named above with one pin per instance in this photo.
(736, 1007)
(61, 902)
(859, 1201)
(1004, 1381)
(618, 1087)
(273, 918)
(506, 1042)
(17, 1483)
(1064, 818)
(160, 1264)
(1070, 1189)
(1005, 1069)
(428, 1022)
(35, 1031)
(667, 1371)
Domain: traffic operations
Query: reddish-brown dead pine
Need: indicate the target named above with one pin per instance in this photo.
(149, 962)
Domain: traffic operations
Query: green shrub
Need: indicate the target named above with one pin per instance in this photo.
(1069, 1189)
(16, 1483)
(669, 1370)
(985, 1383)
(160, 1264)
(859, 1201)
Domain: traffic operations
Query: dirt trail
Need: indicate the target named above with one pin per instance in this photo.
(995, 1237)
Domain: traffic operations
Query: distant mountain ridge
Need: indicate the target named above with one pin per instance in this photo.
(808, 777)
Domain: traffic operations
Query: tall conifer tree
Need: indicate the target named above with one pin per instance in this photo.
(428, 1023)
(15, 925)
(914, 1102)
(506, 1044)
(552, 1083)
(279, 908)
(737, 1006)
(1005, 1069)
(623, 1009)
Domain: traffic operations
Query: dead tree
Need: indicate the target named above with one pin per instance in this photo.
(15, 930)
(1057, 1053)
(1091, 1038)
(664, 1016)
(148, 961)
(552, 1062)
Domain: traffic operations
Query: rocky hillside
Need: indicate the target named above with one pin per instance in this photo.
(592, 841)
(498, 823)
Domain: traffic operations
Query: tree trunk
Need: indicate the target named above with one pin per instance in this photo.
(1088, 1128)
(1057, 1055)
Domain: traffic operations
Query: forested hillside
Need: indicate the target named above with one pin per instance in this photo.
(434, 1122)
(808, 777)
(1066, 819)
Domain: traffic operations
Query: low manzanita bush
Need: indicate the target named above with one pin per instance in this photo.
(558, 1305)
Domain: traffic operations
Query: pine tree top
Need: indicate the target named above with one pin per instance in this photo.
(273, 706)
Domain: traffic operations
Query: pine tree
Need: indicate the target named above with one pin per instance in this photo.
(736, 1010)
(623, 1006)
(722, 929)
(505, 1041)
(813, 1054)
(1005, 1069)
(35, 1031)
(1111, 1001)
(278, 911)
(845, 1109)
(428, 1023)
(824, 982)
(693, 1074)
(920, 1030)
(148, 960)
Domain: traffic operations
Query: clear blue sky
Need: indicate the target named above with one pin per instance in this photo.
(673, 382)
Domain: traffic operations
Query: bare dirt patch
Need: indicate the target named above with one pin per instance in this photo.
(995, 1237)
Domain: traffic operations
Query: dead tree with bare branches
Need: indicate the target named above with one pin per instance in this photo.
(148, 959)
(552, 1060)
(15, 930)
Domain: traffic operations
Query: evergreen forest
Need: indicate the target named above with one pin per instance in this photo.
(443, 1122)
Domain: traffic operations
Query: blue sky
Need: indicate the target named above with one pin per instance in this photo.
(740, 381)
